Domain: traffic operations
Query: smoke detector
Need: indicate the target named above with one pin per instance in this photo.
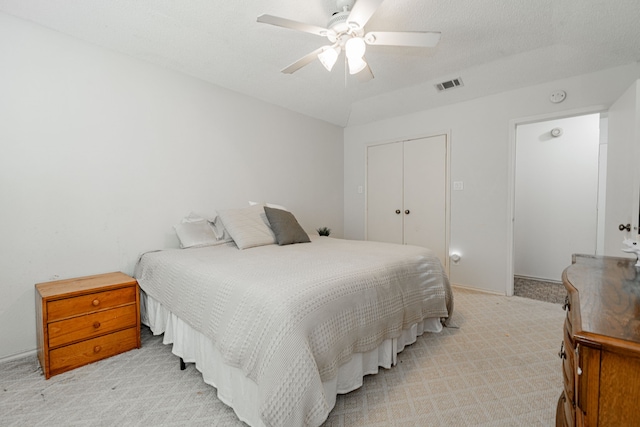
(557, 96)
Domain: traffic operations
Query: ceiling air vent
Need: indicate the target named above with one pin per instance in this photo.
(450, 84)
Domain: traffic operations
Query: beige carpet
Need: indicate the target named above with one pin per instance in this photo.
(500, 368)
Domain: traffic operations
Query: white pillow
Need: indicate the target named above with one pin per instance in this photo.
(192, 231)
(192, 217)
(248, 227)
(196, 233)
(270, 205)
(218, 228)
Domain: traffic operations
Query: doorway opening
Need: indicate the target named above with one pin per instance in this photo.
(558, 188)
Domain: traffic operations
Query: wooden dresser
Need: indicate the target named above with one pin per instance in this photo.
(86, 319)
(601, 347)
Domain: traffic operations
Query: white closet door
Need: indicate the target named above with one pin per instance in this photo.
(384, 193)
(425, 178)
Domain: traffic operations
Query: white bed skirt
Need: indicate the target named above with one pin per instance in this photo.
(240, 392)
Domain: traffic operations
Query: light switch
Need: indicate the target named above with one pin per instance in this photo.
(359, 189)
(458, 185)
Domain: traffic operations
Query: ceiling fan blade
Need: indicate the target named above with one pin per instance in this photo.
(305, 60)
(362, 11)
(409, 38)
(365, 75)
(293, 25)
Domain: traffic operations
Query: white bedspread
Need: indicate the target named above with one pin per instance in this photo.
(289, 316)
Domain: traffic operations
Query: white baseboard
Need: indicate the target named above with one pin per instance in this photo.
(11, 357)
(471, 288)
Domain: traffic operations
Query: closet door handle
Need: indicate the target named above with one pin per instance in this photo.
(407, 212)
(398, 211)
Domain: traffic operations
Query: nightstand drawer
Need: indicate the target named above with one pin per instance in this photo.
(68, 307)
(75, 355)
(79, 328)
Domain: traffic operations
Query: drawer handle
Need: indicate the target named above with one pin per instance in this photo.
(96, 324)
(95, 302)
(97, 349)
(567, 305)
(561, 353)
(579, 370)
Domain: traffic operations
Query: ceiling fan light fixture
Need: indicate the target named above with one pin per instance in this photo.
(329, 56)
(355, 48)
(346, 32)
(356, 65)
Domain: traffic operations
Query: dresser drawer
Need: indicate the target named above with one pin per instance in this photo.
(68, 307)
(567, 325)
(91, 325)
(568, 367)
(569, 412)
(560, 421)
(72, 356)
(567, 308)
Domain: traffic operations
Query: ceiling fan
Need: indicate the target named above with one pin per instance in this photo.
(345, 32)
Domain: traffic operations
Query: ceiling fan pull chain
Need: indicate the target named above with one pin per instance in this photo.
(345, 71)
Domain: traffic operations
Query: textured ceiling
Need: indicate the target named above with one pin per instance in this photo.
(493, 45)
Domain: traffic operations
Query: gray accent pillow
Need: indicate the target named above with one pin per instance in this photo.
(285, 226)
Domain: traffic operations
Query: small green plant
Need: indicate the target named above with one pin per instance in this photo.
(324, 231)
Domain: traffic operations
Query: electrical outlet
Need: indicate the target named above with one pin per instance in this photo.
(458, 185)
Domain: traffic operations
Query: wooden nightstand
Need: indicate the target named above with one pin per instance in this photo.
(82, 320)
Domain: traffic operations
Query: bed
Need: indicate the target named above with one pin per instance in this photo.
(280, 330)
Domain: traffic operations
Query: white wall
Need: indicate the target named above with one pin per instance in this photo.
(556, 194)
(102, 154)
(480, 157)
(602, 182)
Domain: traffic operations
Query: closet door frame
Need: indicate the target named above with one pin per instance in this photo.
(447, 213)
